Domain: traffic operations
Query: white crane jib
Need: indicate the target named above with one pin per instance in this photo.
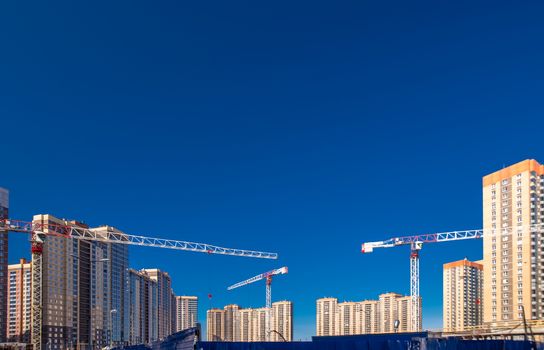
(268, 276)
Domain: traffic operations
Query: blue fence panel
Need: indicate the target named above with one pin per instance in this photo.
(185, 340)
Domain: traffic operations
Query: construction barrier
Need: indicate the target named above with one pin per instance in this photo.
(187, 340)
(400, 341)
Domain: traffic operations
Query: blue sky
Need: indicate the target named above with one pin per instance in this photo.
(302, 128)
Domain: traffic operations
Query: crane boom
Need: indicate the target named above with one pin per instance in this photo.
(368, 247)
(109, 234)
(280, 271)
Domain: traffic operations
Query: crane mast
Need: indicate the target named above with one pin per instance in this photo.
(40, 230)
(268, 277)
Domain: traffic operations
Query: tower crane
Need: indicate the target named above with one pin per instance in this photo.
(40, 230)
(268, 277)
(416, 243)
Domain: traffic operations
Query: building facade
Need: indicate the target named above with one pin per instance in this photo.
(164, 285)
(326, 309)
(368, 317)
(388, 312)
(66, 313)
(233, 323)
(513, 200)
(365, 317)
(282, 321)
(186, 312)
(82, 290)
(19, 302)
(141, 311)
(117, 267)
(215, 325)
(231, 327)
(463, 290)
(4, 205)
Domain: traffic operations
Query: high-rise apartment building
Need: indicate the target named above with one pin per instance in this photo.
(19, 302)
(66, 284)
(164, 285)
(141, 311)
(463, 289)
(258, 324)
(116, 275)
(215, 322)
(282, 321)
(186, 312)
(4, 205)
(245, 324)
(388, 312)
(404, 314)
(173, 304)
(365, 317)
(326, 309)
(513, 200)
(82, 290)
(368, 317)
(250, 324)
(347, 318)
(230, 327)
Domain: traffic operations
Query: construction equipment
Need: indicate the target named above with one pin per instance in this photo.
(268, 277)
(39, 232)
(416, 243)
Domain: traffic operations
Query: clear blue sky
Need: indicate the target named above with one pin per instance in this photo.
(303, 128)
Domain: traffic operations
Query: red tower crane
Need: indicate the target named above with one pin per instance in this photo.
(416, 243)
(268, 277)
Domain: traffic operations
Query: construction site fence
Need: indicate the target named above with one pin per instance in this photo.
(188, 340)
(407, 341)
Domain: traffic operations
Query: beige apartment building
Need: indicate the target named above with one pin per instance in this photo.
(347, 318)
(368, 317)
(19, 302)
(165, 307)
(233, 323)
(364, 317)
(244, 323)
(66, 280)
(258, 324)
(463, 290)
(82, 290)
(186, 312)
(388, 312)
(282, 321)
(326, 309)
(230, 327)
(215, 322)
(513, 200)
